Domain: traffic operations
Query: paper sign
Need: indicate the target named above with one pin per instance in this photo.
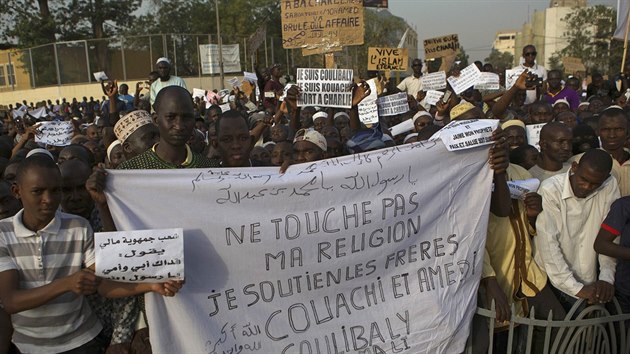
(511, 75)
(403, 127)
(54, 133)
(324, 25)
(368, 109)
(433, 97)
(198, 93)
(38, 113)
(441, 46)
(533, 134)
(487, 81)
(233, 82)
(209, 54)
(140, 256)
(434, 81)
(100, 76)
(573, 65)
(466, 79)
(519, 188)
(225, 107)
(466, 134)
(393, 59)
(325, 87)
(285, 90)
(251, 77)
(393, 104)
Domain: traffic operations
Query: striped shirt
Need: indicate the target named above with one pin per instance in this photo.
(58, 250)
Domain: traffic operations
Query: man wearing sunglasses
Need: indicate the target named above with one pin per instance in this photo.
(529, 62)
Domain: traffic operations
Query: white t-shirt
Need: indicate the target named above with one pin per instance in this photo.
(158, 84)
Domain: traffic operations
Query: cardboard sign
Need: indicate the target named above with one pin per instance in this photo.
(320, 50)
(434, 81)
(467, 78)
(441, 46)
(54, 133)
(324, 25)
(433, 97)
(393, 104)
(287, 253)
(488, 81)
(368, 109)
(467, 134)
(393, 59)
(573, 65)
(325, 87)
(256, 39)
(533, 134)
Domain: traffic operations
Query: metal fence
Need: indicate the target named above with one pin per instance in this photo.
(133, 57)
(594, 329)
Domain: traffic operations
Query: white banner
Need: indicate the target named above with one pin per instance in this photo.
(433, 97)
(434, 81)
(368, 109)
(325, 87)
(210, 58)
(374, 253)
(468, 77)
(488, 81)
(54, 133)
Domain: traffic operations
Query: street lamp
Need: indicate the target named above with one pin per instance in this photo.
(216, 8)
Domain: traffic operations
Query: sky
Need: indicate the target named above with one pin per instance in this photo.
(475, 21)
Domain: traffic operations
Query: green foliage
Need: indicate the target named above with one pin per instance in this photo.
(499, 60)
(462, 57)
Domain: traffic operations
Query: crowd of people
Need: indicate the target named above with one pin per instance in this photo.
(556, 245)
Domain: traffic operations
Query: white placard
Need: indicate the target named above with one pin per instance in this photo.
(225, 107)
(287, 87)
(368, 109)
(234, 82)
(198, 93)
(488, 81)
(511, 75)
(434, 81)
(251, 77)
(38, 113)
(533, 134)
(433, 97)
(467, 134)
(402, 127)
(519, 188)
(393, 104)
(54, 133)
(100, 76)
(270, 255)
(467, 78)
(210, 58)
(140, 256)
(325, 87)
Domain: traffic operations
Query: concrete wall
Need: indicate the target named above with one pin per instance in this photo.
(94, 90)
(554, 32)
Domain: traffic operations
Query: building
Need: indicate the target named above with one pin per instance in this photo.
(12, 75)
(504, 41)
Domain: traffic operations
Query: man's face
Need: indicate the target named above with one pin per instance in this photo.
(422, 122)
(213, 114)
(9, 205)
(335, 148)
(613, 132)
(73, 153)
(116, 156)
(585, 180)
(141, 140)
(164, 70)
(175, 120)
(330, 132)
(75, 198)
(341, 122)
(554, 80)
(318, 123)
(569, 118)
(261, 154)
(515, 136)
(92, 133)
(40, 192)
(559, 146)
(9, 173)
(540, 114)
(278, 134)
(305, 151)
(234, 142)
(281, 152)
(416, 65)
(97, 149)
(529, 53)
(574, 84)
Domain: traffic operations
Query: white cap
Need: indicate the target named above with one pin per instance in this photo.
(312, 136)
(320, 114)
(163, 59)
(562, 100)
(40, 151)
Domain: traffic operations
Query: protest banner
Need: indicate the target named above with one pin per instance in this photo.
(533, 134)
(466, 134)
(366, 253)
(368, 109)
(140, 256)
(325, 87)
(251, 77)
(209, 54)
(392, 105)
(38, 113)
(256, 39)
(487, 81)
(224, 107)
(393, 59)
(433, 97)
(441, 46)
(54, 133)
(434, 81)
(511, 75)
(573, 65)
(198, 93)
(520, 188)
(467, 78)
(322, 25)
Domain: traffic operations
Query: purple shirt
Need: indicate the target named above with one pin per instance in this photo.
(566, 93)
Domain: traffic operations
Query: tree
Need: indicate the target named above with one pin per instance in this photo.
(589, 30)
(499, 59)
(462, 58)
